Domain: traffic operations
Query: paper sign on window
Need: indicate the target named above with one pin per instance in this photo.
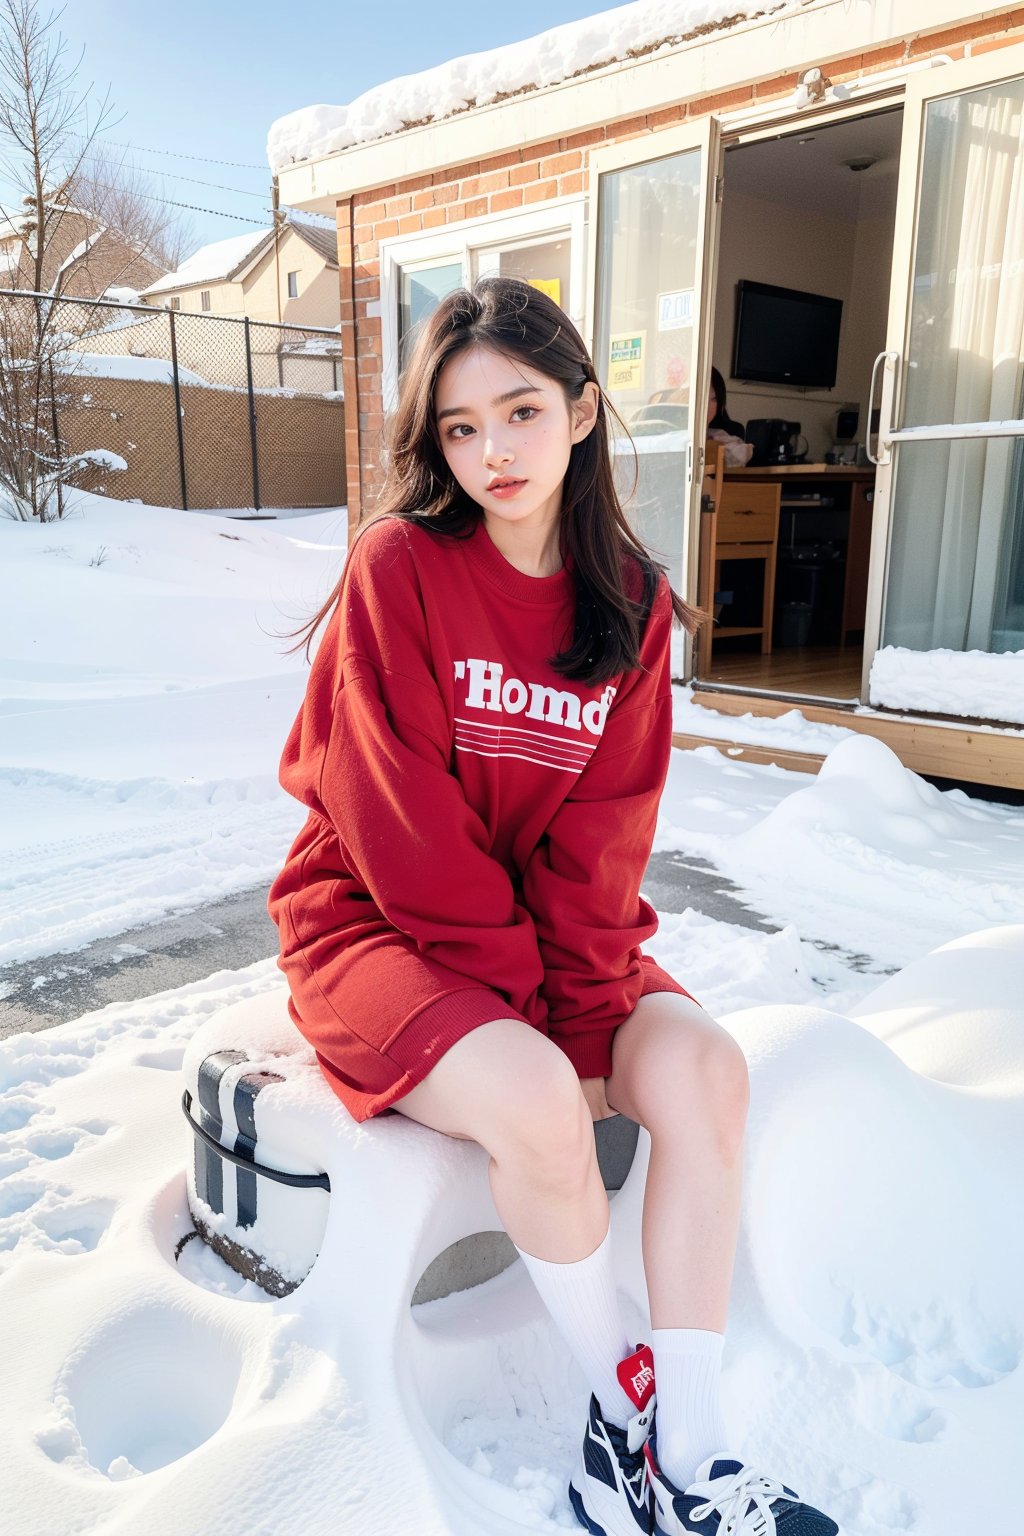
(626, 360)
(675, 310)
(552, 286)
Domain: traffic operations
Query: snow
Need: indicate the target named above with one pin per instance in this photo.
(981, 685)
(101, 458)
(100, 365)
(478, 78)
(876, 1335)
(121, 295)
(79, 251)
(211, 263)
(143, 702)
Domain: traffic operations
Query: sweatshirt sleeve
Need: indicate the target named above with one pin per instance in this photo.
(582, 883)
(371, 753)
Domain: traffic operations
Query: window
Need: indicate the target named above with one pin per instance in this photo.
(204, 298)
(546, 246)
(174, 304)
(293, 285)
(420, 291)
(545, 263)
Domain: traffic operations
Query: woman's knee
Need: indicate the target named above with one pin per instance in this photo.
(691, 1065)
(537, 1116)
(508, 1087)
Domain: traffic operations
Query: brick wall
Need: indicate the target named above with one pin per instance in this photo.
(108, 260)
(521, 179)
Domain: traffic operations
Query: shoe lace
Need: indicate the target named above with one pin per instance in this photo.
(633, 1464)
(730, 1498)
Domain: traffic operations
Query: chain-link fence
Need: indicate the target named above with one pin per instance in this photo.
(171, 407)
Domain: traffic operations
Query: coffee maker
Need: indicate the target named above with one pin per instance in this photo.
(775, 441)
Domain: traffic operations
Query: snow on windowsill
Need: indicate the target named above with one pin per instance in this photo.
(979, 685)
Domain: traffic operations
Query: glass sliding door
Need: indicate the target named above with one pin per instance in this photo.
(950, 503)
(653, 225)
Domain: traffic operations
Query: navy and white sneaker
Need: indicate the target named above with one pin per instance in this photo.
(729, 1499)
(609, 1490)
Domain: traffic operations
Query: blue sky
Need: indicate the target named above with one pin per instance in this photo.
(208, 79)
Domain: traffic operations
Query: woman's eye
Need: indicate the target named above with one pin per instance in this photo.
(531, 408)
(458, 429)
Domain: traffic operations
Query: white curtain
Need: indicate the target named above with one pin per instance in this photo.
(958, 507)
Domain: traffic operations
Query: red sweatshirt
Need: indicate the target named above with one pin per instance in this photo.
(466, 797)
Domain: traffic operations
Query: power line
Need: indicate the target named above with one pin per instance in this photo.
(241, 165)
(192, 207)
(177, 176)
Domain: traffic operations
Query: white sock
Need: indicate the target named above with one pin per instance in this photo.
(687, 1374)
(583, 1302)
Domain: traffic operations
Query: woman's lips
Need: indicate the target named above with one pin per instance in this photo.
(510, 488)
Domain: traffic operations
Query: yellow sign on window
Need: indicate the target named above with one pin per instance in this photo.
(552, 286)
(626, 360)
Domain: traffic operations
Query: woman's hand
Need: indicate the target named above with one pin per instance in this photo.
(594, 1093)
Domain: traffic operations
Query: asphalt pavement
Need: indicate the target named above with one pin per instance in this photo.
(236, 931)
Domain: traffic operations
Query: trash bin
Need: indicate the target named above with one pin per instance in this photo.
(811, 578)
(795, 625)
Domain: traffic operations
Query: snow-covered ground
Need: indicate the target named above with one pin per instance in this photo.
(877, 1331)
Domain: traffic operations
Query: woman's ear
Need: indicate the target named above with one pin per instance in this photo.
(584, 411)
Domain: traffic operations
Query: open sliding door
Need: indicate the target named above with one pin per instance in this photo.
(653, 221)
(946, 595)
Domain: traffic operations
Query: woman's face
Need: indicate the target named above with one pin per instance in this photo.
(506, 432)
(712, 405)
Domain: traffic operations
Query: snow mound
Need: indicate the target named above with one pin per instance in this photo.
(876, 1331)
(956, 1015)
(890, 843)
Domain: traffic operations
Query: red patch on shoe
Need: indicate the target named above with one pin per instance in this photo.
(636, 1376)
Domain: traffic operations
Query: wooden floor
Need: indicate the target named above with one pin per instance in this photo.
(823, 671)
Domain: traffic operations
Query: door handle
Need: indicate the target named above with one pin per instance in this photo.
(881, 358)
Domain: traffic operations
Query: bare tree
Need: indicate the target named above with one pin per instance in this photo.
(46, 132)
(120, 197)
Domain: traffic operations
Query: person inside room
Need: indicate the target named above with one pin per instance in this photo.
(722, 429)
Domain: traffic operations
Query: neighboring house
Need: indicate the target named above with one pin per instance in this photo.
(83, 258)
(243, 278)
(287, 275)
(675, 182)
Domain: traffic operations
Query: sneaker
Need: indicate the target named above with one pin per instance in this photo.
(609, 1491)
(729, 1499)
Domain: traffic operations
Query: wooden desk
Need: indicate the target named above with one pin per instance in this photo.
(739, 522)
(858, 492)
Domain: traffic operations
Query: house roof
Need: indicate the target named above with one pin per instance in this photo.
(213, 263)
(562, 53)
(322, 237)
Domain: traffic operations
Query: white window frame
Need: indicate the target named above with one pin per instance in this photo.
(288, 284)
(458, 242)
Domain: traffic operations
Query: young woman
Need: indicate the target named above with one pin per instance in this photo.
(722, 429)
(483, 744)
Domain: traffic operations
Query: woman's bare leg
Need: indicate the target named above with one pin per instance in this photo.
(509, 1088)
(681, 1076)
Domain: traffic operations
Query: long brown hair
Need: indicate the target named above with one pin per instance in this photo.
(510, 317)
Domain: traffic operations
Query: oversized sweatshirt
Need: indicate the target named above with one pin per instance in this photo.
(471, 805)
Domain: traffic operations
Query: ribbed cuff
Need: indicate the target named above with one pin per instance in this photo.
(657, 980)
(427, 1036)
(590, 1051)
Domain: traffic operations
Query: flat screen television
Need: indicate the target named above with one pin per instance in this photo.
(784, 336)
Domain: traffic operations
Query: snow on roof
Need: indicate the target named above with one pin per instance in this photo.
(212, 263)
(475, 79)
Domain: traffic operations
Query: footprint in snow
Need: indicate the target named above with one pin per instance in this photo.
(928, 1348)
(142, 1391)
